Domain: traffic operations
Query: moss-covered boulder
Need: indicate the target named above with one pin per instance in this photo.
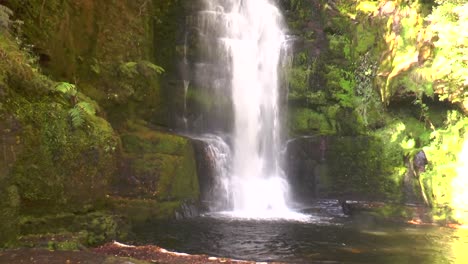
(346, 167)
(157, 165)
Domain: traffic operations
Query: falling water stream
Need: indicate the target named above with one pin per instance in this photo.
(250, 37)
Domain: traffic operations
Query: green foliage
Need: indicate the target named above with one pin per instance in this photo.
(365, 41)
(366, 165)
(342, 83)
(368, 103)
(54, 165)
(69, 231)
(10, 204)
(67, 89)
(80, 108)
(86, 107)
(155, 68)
(5, 14)
(449, 21)
(133, 69)
(76, 116)
(301, 8)
(298, 79)
(341, 45)
(442, 153)
(307, 121)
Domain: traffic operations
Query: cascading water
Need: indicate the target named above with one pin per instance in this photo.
(249, 40)
(218, 157)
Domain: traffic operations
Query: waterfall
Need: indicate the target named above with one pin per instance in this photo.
(184, 114)
(247, 38)
(218, 158)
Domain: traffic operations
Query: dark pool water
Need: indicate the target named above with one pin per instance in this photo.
(327, 237)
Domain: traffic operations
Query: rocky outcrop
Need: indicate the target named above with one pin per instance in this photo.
(342, 168)
(63, 166)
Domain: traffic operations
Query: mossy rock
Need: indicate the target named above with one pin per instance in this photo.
(158, 165)
(139, 211)
(135, 92)
(68, 231)
(108, 48)
(54, 164)
(307, 121)
(364, 167)
(9, 214)
(85, 157)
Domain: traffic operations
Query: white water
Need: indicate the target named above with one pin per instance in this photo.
(219, 155)
(184, 117)
(250, 41)
(186, 84)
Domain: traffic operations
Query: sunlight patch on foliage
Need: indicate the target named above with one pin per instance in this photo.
(460, 185)
(443, 155)
(449, 22)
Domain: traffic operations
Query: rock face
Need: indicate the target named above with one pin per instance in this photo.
(341, 168)
(96, 44)
(157, 165)
(83, 159)
(50, 164)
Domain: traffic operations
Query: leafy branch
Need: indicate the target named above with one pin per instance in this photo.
(80, 109)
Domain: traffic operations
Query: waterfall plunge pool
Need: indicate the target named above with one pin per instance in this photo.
(325, 236)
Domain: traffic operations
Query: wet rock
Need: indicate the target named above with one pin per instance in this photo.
(188, 209)
(420, 161)
(345, 207)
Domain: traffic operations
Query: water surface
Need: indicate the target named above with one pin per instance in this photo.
(326, 237)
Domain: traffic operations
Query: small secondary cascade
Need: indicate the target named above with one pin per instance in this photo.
(218, 156)
(186, 84)
(249, 41)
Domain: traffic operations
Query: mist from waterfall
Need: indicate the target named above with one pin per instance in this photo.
(247, 37)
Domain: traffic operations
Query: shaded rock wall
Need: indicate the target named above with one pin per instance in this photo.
(58, 174)
(343, 168)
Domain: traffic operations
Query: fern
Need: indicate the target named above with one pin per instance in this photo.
(86, 108)
(130, 69)
(76, 116)
(67, 89)
(156, 68)
(77, 113)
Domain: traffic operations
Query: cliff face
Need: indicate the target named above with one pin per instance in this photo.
(79, 90)
(95, 44)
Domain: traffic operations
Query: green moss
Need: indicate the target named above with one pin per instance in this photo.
(139, 211)
(150, 141)
(9, 214)
(169, 17)
(365, 166)
(67, 231)
(442, 153)
(304, 120)
(201, 98)
(163, 164)
(366, 39)
(54, 164)
(340, 45)
(86, 156)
